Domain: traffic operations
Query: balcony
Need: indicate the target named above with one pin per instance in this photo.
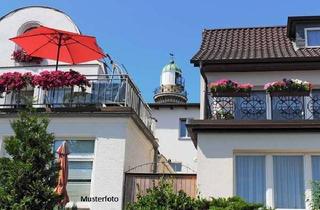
(105, 91)
(261, 106)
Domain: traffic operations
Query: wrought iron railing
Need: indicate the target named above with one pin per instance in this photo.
(262, 106)
(105, 90)
(182, 92)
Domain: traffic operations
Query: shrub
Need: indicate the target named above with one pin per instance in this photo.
(28, 177)
(315, 200)
(163, 197)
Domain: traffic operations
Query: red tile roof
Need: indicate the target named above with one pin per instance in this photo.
(261, 44)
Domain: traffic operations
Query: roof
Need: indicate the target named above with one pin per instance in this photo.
(244, 45)
(171, 67)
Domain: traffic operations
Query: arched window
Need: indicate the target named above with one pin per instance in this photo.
(28, 26)
(31, 28)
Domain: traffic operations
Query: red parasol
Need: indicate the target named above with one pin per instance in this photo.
(59, 45)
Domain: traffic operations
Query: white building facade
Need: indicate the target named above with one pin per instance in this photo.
(172, 111)
(262, 147)
(109, 130)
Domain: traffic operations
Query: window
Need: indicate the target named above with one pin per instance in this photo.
(288, 182)
(177, 167)
(312, 37)
(31, 28)
(183, 132)
(80, 167)
(315, 168)
(251, 178)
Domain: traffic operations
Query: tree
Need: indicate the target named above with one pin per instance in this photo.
(28, 177)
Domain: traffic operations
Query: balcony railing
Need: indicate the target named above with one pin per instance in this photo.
(262, 106)
(182, 92)
(105, 91)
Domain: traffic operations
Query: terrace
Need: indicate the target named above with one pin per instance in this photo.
(105, 93)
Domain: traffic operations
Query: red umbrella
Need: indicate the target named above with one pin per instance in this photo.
(59, 45)
(61, 189)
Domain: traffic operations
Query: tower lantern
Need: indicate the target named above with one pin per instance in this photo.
(171, 88)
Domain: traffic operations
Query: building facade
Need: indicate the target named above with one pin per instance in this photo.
(171, 111)
(262, 146)
(109, 127)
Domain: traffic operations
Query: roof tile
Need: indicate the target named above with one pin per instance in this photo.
(236, 44)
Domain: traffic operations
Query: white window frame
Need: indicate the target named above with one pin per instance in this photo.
(306, 36)
(80, 158)
(307, 173)
(187, 137)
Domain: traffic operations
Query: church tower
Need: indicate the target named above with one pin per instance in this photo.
(171, 90)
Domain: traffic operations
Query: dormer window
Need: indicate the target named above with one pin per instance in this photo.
(312, 37)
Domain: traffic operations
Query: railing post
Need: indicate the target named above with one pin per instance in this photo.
(126, 96)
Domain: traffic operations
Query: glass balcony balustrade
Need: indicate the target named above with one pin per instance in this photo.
(104, 91)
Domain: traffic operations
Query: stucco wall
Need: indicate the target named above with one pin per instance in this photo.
(112, 136)
(216, 155)
(138, 149)
(167, 131)
(261, 78)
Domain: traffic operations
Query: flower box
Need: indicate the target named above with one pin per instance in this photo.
(288, 87)
(229, 88)
(290, 93)
(230, 94)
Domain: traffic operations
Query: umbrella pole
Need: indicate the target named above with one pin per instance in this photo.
(58, 53)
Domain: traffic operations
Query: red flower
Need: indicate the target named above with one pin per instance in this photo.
(15, 81)
(22, 56)
(59, 79)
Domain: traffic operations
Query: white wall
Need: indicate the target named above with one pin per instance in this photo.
(261, 78)
(138, 149)
(216, 155)
(118, 143)
(167, 131)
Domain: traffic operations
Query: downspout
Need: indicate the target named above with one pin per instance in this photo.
(155, 157)
(206, 100)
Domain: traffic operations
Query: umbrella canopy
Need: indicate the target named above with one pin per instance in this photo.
(59, 45)
(61, 189)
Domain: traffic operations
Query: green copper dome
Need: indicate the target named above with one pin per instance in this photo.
(171, 67)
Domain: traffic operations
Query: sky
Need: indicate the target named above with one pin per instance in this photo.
(140, 34)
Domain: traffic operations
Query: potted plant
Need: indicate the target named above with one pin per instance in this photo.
(15, 82)
(59, 79)
(224, 115)
(22, 57)
(51, 80)
(229, 88)
(288, 87)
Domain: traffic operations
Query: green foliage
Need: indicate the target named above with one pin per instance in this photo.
(163, 197)
(28, 177)
(315, 200)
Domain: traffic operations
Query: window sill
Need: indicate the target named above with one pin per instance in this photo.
(80, 205)
(184, 138)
